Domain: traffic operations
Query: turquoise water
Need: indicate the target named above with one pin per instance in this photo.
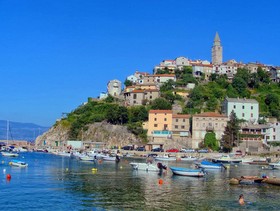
(55, 183)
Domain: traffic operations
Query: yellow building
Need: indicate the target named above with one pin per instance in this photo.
(160, 123)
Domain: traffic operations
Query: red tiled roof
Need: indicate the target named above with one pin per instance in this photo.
(164, 75)
(209, 114)
(181, 116)
(138, 91)
(160, 111)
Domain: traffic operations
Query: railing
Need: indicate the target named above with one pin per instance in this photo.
(161, 133)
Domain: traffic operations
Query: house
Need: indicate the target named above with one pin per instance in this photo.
(207, 122)
(253, 138)
(140, 96)
(246, 109)
(160, 125)
(181, 129)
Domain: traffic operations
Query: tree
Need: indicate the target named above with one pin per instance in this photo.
(137, 114)
(167, 86)
(117, 114)
(210, 141)
(161, 104)
(239, 85)
(128, 83)
(231, 133)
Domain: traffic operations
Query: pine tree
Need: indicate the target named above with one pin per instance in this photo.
(230, 137)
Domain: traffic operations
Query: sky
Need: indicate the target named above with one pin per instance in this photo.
(56, 54)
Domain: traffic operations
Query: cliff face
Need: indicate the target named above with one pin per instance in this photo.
(112, 135)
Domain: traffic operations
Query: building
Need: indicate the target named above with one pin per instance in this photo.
(207, 122)
(246, 109)
(160, 125)
(114, 87)
(181, 128)
(217, 51)
(140, 96)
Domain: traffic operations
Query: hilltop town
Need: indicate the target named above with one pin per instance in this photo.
(186, 125)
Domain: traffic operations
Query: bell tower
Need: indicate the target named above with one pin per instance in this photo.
(217, 51)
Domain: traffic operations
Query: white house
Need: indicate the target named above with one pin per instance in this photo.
(246, 109)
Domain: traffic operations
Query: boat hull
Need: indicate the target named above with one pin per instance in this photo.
(187, 172)
(144, 167)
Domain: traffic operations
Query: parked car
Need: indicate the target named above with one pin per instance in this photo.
(203, 151)
(158, 149)
(127, 148)
(141, 149)
(188, 150)
(173, 150)
(238, 152)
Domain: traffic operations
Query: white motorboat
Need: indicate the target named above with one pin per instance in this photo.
(9, 154)
(275, 165)
(86, 158)
(187, 158)
(115, 158)
(165, 157)
(227, 159)
(147, 166)
(18, 163)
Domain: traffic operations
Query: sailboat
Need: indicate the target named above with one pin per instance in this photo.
(8, 153)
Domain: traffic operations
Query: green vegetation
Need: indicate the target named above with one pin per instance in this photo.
(210, 141)
(206, 96)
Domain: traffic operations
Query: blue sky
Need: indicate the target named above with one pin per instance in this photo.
(56, 54)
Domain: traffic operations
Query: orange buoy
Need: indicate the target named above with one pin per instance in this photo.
(8, 177)
(160, 181)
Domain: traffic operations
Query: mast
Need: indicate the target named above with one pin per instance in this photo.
(7, 138)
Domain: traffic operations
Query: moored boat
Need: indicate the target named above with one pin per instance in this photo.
(147, 166)
(272, 181)
(18, 163)
(227, 159)
(10, 154)
(165, 157)
(210, 165)
(187, 158)
(187, 172)
(275, 165)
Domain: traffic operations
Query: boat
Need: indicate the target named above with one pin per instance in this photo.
(187, 172)
(165, 157)
(187, 158)
(210, 165)
(18, 163)
(148, 166)
(246, 180)
(86, 158)
(259, 162)
(272, 181)
(115, 158)
(275, 165)
(9, 154)
(63, 153)
(227, 159)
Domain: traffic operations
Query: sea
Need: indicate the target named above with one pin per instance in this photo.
(52, 182)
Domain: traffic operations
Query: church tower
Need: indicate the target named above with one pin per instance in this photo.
(217, 51)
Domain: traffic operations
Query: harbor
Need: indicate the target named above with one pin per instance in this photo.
(64, 183)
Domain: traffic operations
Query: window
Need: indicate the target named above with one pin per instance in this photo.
(155, 125)
(252, 115)
(274, 130)
(155, 119)
(243, 115)
(176, 120)
(210, 124)
(134, 96)
(183, 127)
(274, 137)
(251, 107)
(176, 126)
(243, 107)
(165, 119)
(184, 120)
(234, 106)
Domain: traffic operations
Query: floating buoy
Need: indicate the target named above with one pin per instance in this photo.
(8, 177)
(10, 163)
(4, 170)
(66, 169)
(160, 181)
(99, 161)
(94, 169)
(120, 167)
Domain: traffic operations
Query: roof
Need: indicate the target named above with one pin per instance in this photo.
(161, 111)
(209, 114)
(256, 127)
(181, 116)
(241, 100)
(164, 75)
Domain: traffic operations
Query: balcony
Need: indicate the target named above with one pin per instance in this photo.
(162, 133)
(210, 128)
